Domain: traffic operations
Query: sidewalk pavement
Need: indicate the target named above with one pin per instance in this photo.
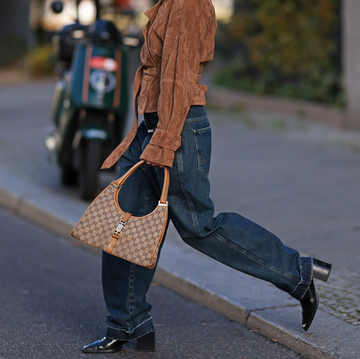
(301, 180)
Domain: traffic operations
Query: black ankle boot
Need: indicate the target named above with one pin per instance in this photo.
(309, 304)
(310, 301)
(104, 345)
(145, 343)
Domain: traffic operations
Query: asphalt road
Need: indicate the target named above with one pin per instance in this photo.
(52, 304)
(298, 180)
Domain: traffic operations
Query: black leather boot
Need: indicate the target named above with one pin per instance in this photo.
(309, 304)
(310, 301)
(106, 345)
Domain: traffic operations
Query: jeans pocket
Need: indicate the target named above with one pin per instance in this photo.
(203, 149)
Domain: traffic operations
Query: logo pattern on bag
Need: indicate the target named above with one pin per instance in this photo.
(139, 238)
(138, 241)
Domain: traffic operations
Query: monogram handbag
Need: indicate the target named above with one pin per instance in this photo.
(106, 226)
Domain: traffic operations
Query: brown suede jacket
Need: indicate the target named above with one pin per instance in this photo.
(179, 42)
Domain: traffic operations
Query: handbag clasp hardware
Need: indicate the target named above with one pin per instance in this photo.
(117, 186)
(115, 236)
(119, 227)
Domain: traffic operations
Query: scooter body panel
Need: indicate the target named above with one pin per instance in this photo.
(100, 78)
(90, 104)
(58, 100)
(88, 87)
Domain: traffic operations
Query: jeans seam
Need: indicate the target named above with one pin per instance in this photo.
(195, 119)
(302, 281)
(146, 200)
(249, 255)
(130, 289)
(297, 286)
(131, 331)
(199, 161)
(181, 180)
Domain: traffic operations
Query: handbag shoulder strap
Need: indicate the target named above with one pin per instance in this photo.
(163, 199)
(164, 194)
(119, 182)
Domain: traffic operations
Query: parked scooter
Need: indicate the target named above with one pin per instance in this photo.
(90, 101)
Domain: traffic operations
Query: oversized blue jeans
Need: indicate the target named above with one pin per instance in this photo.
(229, 238)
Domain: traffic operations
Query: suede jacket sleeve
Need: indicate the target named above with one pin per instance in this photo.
(185, 51)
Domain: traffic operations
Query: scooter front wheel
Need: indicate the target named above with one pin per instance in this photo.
(69, 176)
(90, 158)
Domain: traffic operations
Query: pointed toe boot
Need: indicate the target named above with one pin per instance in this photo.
(104, 345)
(146, 343)
(309, 304)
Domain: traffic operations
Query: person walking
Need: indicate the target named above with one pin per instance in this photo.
(179, 42)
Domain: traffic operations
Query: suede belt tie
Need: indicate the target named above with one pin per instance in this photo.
(123, 146)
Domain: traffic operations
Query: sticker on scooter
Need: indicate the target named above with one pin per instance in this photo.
(102, 81)
(103, 63)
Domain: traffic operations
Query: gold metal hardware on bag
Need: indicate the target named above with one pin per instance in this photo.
(117, 186)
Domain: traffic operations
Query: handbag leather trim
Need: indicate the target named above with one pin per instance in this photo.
(116, 233)
(104, 225)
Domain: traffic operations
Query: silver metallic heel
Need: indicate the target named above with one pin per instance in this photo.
(321, 270)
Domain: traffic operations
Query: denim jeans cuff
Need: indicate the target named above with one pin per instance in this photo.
(306, 277)
(123, 334)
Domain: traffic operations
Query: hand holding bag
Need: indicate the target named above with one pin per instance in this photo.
(106, 226)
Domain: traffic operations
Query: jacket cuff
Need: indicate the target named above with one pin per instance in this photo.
(166, 140)
(159, 155)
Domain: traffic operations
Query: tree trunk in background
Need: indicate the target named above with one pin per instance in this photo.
(351, 60)
(14, 18)
(15, 34)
